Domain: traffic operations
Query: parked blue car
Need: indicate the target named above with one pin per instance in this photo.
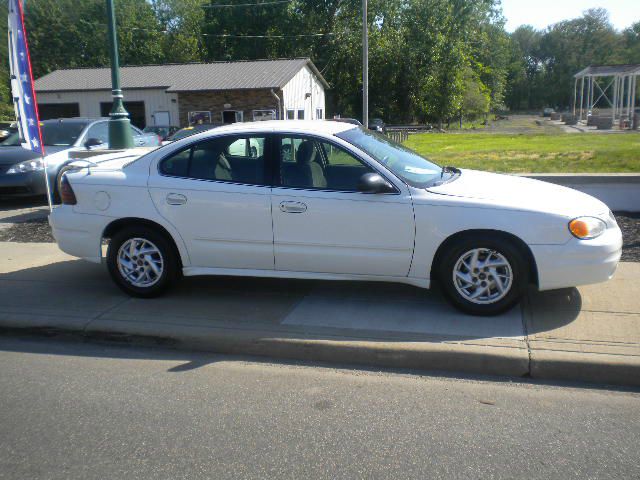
(22, 171)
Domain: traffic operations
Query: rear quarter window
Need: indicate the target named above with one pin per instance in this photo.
(176, 165)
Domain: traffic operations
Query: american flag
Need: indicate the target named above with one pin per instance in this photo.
(24, 95)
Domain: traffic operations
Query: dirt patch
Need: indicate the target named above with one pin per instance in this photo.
(30, 231)
(630, 225)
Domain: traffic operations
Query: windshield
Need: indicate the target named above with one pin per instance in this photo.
(414, 169)
(61, 134)
(12, 140)
(53, 135)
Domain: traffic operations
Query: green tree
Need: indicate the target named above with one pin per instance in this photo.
(525, 68)
(476, 99)
(182, 23)
(631, 39)
(68, 33)
(570, 46)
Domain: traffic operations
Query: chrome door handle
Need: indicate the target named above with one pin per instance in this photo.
(176, 199)
(293, 207)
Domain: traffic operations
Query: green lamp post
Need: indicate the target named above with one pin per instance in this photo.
(120, 135)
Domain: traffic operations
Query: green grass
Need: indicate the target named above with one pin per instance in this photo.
(533, 153)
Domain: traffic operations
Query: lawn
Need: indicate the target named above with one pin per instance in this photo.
(533, 153)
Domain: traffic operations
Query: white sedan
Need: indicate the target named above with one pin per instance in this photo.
(333, 201)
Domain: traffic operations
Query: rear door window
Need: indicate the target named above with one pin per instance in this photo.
(238, 159)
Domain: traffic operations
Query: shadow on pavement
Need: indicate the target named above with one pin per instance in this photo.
(8, 203)
(274, 307)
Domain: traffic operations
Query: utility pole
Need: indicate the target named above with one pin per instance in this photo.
(365, 66)
(120, 135)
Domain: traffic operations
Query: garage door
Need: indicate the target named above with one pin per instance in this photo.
(48, 111)
(135, 109)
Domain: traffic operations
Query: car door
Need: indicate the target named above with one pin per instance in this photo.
(218, 201)
(141, 139)
(98, 134)
(322, 223)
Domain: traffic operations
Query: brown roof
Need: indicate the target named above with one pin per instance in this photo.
(187, 77)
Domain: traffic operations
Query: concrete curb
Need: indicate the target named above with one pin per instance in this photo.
(620, 191)
(448, 356)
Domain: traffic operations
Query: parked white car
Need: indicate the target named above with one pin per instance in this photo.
(333, 201)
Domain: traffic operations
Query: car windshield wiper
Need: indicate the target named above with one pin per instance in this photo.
(447, 169)
(455, 173)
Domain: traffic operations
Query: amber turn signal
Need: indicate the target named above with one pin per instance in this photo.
(586, 228)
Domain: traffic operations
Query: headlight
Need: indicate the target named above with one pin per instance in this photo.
(586, 228)
(28, 166)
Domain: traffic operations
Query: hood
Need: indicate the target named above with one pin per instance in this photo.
(17, 154)
(13, 155)
(521, 193)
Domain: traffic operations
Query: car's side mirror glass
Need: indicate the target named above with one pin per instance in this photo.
(93, 142)
(374, 183)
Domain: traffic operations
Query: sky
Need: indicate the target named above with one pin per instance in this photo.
(541, 13)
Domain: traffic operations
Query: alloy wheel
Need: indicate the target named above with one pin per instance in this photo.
(482, 276)
(140, 262)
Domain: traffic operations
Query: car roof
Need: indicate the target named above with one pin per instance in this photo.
(303, 126)
(82, 120)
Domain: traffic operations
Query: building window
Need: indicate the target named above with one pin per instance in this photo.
(262, 115)
(300, 114)
(197, 118)
(291, 114)
(319, 113)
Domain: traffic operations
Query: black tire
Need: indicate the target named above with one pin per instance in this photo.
(496, 243)
(170, 263)
(57, 184)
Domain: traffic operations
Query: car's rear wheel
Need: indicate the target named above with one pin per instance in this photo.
(56, 187)
(142, 261)
(484, 274)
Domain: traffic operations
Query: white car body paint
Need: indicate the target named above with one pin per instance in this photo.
(235, 229)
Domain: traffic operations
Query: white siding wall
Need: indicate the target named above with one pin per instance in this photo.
(155, 100)
(294, 94)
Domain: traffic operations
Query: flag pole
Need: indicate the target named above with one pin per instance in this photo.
(46, 180)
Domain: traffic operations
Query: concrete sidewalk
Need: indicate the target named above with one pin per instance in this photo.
(588, 334)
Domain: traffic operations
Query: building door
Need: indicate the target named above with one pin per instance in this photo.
(136, 111)
(231, 116)
(161, 118)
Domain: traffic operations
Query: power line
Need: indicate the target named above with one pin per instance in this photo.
(266, 36)
(277, 2)
(228, 35)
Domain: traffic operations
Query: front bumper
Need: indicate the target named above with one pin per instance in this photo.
(578, 262)
(23, 184)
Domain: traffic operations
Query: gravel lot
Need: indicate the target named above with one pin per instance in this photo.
(630, 225)
(38, 230)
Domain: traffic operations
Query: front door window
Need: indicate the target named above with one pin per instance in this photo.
(316, 164)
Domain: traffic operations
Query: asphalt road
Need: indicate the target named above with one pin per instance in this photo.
(73, 410)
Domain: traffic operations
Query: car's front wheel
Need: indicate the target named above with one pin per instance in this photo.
(484, 274)
(141, 261)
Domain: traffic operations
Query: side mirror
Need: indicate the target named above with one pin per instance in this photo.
(374, 183)
(93, 142)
